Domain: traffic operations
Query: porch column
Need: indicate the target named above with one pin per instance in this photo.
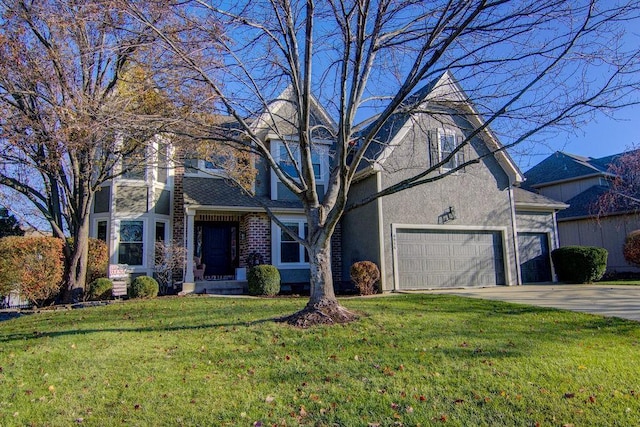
(188, 276)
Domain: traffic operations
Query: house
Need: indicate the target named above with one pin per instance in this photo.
(475, 227)
(579, 182)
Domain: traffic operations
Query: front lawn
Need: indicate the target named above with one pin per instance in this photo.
(410, 360)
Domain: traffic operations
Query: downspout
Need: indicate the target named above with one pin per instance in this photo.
(515, 236)
(383, 270)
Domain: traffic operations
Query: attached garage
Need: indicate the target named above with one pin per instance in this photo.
(448, 258)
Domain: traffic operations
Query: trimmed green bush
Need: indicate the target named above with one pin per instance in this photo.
(365, 274)
(143, 287)
(580, 264)
(264, 280)
(100, 289)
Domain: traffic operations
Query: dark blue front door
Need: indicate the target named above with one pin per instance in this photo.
(219, 249)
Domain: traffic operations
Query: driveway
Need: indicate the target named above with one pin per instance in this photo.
(619, 301)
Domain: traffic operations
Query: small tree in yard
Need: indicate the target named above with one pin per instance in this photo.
(365, 274)
(169, 261)
(631, 249)
(360, 58)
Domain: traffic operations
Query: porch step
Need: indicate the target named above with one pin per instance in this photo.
(222, 287)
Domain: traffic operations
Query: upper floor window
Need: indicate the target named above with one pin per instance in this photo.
(134, 164)
(287, 165)
(442, 143)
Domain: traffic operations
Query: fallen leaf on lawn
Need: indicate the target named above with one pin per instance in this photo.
(409, 409)
(592, 399)
(582, 368)
(458, 401)
(314, 397)
(303, 411)
(394, 406)
(422, 398)
(569, 395)
(269, 399)
(136, 406)
(52, 389)
(257, 424)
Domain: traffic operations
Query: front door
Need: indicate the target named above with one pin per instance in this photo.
(218, 247)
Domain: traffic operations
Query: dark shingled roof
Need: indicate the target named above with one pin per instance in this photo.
(221, 193)
(582, 204)
(560, 166)
(527, 198)
(393, 124)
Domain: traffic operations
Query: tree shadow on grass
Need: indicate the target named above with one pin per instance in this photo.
(169, 328)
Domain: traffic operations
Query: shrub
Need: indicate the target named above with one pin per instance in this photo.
(264, 280)
(97, 259)
(365, 275)
(579, 264)
(143, 287)
(100, 289)
(33, 266)
(631, 249)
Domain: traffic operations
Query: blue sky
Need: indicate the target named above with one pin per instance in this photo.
(602, 136)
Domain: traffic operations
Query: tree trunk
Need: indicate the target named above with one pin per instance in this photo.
(323, 306)
(77, 271)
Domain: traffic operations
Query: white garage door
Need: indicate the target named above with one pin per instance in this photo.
(431, 259)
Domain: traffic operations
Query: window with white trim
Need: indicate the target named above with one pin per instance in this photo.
(319, 163)
(443, 142)
(286, 251)
(131, 243)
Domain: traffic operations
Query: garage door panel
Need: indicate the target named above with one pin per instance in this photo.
(429, 259)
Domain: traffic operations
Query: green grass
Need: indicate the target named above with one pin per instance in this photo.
(410, 360)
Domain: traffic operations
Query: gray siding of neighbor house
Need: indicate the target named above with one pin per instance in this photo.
(360, 229)
(567, 190)
(479, 195)
(609, 233)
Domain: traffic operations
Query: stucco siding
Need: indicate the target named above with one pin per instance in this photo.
(479, 195)
(540, 222)
(608, 233)
(360, 240)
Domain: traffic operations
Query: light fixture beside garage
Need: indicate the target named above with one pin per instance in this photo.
(448, 215)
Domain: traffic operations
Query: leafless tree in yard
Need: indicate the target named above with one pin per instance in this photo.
(526, 66)
(72, 103)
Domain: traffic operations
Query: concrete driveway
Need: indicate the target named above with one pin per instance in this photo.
(619, 301)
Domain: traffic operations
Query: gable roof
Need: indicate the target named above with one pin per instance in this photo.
(274, 109)
(442, 90)
(561, 166)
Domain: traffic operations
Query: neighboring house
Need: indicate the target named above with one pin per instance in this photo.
(579, 182)
(461, 231)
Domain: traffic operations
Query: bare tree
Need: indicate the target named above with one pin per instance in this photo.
(70, 108)
(527, 66)
(623, 192)
(168, 261)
